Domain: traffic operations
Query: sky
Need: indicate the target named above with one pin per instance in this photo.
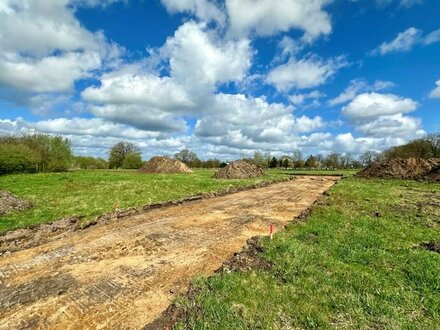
(224, 78)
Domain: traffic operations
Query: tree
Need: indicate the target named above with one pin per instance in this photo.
(119, 151)
(298, 161)
(259, 159)
(132, 161)
(45, 152)
(286, 163)
(188, 157)
(17, 158)
(319, 160)
(434, 143)
(346, 160)
(60, 154)
(311, 162)
(273, 163)
(333, 161)
(368, 158)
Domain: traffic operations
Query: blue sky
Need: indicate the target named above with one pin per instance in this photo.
(223, 78)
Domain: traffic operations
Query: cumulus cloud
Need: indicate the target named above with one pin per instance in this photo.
(200, 60)
(148, 119)
(304, 73)
(44, 48)
(252, 123)
(406, 40)
(435, 93)
(49, 74)
(300, 99)
(356, 87)
(372, 105)
(267, 17)
(126, 87)
(203, 9)
(382, 115)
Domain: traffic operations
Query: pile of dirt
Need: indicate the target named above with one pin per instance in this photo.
(164, 164)
(401, 168)
(239, 169)
(10, 203)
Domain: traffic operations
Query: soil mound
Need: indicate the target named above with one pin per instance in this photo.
(10, 203)
(160, 164)
(400, 168)
(239, 169)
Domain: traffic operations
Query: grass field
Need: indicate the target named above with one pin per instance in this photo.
(91, 193)
(345, 267)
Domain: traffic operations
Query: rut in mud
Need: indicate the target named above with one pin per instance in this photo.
(123, 274)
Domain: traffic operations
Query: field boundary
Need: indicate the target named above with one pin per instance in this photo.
(24, 238)
(248, 258)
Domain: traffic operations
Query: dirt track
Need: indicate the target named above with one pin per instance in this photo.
(121, 275)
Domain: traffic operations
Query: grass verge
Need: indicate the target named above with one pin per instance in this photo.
(92, 193)
(356, 263)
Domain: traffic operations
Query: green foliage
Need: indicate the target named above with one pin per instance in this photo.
(132, 161)
(311, 162)
(273, 163)
(17, 158)
(344, 268)
(427, 147)
(188, 157)
(34, 152)
(119, 151)
(90, 163)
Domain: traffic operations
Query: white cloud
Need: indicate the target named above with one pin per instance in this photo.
(126, 87)
(300, 99)
(406, 40)
(49, 74)
(358, 86)
(267, 17)
(90, 126)
(432, 38)
(200, 60)
(382, 115)
(396, 125)
(371, 105)
(204, 9)
(148, 119)
(403, 42)
(435, 93)
(237, 121)
(44, 48)
(304, 73)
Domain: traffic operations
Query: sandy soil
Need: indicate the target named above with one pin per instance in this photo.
(123, 274)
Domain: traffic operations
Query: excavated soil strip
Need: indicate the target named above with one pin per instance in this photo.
(35, 235)
(123, 274)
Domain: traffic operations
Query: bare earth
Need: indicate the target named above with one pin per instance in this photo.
(122, 275)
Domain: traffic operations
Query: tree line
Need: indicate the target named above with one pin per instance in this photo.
(37, 152)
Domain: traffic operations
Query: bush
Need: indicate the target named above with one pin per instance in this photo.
(16, 158)
(132, 161)
(34, 153)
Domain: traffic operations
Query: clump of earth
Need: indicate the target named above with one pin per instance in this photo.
(404, 168)
(162, 164)
(10, 203)
(239, 169)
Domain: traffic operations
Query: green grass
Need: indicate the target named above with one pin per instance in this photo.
(345, 173)
(343, 268)
(91, 193)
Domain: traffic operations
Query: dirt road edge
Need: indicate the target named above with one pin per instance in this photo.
(249, 258)
(32, 236)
